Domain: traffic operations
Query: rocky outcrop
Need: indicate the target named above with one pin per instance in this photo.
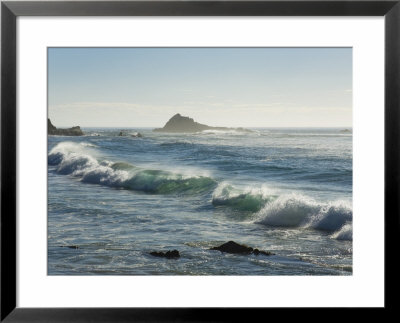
(235, 248)
(179, 123)
(52, 130)
(174, 254)
(182, 124)
(125, 133)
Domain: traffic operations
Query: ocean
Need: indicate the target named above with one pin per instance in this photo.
(114, 199)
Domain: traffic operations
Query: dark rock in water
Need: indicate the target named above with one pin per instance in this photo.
(70, 247)
(179, 123)
(52, 130)
(169, 254)
(235, 248)
(124, 133)
(261, 252)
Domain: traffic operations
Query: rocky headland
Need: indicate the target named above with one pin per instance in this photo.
(52, 130)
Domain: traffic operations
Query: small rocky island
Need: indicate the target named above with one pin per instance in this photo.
(179, 123)
(74, 131)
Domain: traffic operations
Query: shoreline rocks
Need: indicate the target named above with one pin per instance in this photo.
(52, 130)
(235, 248)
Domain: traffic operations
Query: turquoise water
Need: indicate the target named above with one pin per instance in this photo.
(112, 200)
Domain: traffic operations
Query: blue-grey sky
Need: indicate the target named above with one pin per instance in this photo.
(249, 87)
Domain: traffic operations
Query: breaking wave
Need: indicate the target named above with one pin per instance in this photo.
(250, 199)
(299, 211)
(265, 207)
(345, 233)
(83, 162)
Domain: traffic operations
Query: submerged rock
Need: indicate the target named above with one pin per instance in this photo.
(169, 254)
(52, 130)
(70, 247)
(183, 124)
(235, 248)
(261, 252)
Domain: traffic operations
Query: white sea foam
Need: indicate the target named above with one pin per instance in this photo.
(84, 162)
(295, 210)
(345, 233)
(285, 210)
(87, 144)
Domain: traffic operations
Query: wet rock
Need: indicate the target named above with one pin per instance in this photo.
(170, 254)
(235, 248)
(70, 247)
(261, 252)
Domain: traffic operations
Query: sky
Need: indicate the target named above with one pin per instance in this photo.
(232, 87)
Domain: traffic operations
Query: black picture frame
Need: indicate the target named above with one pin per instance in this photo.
(11, 10)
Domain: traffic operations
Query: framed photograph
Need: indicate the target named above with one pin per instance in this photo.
(197, 157)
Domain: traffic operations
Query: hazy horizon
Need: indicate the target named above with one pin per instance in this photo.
(227, 87)
(162, 125)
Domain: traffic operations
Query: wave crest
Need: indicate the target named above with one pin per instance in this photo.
(76, 160)
(345, 233)
(300, 211)
(250, 199)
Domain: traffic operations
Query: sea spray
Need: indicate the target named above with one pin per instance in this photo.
(248, 199)
(84, 163)
(294, 210)
(345, 233)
